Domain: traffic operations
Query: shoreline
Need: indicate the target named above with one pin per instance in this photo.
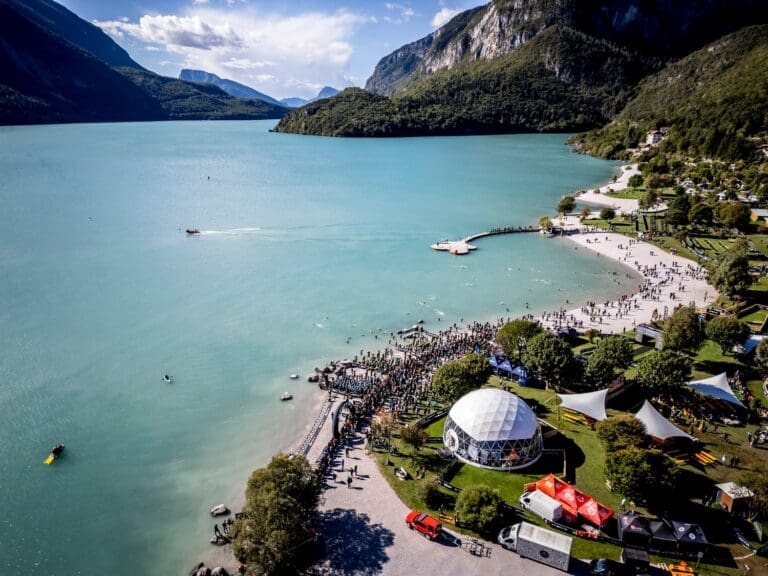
(665, 281)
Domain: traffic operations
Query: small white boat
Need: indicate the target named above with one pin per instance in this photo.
(286, 396)
(294, 376)
(167, 379)
(219, 510)
(401, 473)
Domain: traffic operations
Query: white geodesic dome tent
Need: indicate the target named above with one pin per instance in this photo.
(493, 428)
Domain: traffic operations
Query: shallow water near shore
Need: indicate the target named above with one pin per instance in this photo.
(309, 246)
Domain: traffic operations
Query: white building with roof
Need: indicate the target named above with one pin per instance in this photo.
(493, 428)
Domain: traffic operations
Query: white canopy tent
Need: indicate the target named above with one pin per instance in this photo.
(658, 426)
(716, 387)
(591, 404)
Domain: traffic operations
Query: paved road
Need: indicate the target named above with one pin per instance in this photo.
(365, 533)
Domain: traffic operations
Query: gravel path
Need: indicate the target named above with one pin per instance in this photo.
(365, 533)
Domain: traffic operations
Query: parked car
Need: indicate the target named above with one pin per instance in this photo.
(607, 567)
(423, 523)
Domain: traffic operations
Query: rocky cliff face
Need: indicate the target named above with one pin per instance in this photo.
(656, 28)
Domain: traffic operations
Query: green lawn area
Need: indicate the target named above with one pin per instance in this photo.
(586, 460)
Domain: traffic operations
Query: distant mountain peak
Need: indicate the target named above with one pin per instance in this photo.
(231, 87)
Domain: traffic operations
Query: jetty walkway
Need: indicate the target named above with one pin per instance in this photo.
(460, 247)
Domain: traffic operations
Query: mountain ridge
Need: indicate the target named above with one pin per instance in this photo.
(231, 87)
(46, 77)
(525, 65)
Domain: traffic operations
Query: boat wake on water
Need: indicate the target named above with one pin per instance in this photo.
(231, 232)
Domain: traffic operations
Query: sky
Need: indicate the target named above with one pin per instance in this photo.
(283, 48)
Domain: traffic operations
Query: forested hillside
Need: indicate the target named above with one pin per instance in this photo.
(715, 101)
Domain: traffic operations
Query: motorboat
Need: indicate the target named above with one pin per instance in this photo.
(193, 231)
(220, 510)
(167, 379)
(294, 376)
(55, 453)
(286, 396)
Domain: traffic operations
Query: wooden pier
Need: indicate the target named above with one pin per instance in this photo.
(463, 246)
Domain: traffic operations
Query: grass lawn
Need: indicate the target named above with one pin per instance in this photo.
(585, 464)
(710, 361)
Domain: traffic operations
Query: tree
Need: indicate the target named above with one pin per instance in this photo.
(455, 378)
(550, 358)
(585, 212)
(479, 507)
(610, 354)
(607, 213)
(513, 335)
(734, 214)
(726, 331)
(644, 475)
(623, 431)
(635, 181)
(414, 436)
(757, 481)
(729, 272)
(761, 356)
(545, 223)
(280, 503)
(701, 214)
(677, 215)
(683, 330)
(566, 205)
(648, 200)
(661, 370)
(429, 492)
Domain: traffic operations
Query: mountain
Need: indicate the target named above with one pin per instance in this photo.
(229, 86)
(45, 79)
(715, 100)
(293, 102)
(56, 67)
(402, 62)
(528, 65)
(70, 27)
(325, 92)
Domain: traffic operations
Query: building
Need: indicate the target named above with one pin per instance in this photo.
(493, 428)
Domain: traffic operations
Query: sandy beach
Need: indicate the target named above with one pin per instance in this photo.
(668, 281)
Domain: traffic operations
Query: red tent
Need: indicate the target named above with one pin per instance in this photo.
(575, 502)
(595, 512)
(567, 496)
(551, 485)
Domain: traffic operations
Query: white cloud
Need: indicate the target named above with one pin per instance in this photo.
(198, 2)
(175, 32)
(404, 13)
(444, 16)
(275, 53)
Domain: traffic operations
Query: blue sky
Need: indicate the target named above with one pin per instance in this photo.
(281, 47)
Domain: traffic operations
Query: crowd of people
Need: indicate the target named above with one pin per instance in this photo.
(395, 379)
(663, 283)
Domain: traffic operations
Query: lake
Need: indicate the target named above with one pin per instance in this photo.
(311, 248)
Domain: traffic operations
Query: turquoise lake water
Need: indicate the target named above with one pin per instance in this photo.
(313, 241)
